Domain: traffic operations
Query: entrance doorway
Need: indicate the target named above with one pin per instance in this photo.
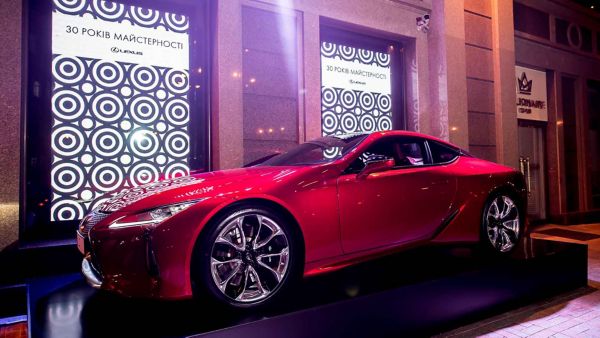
(531, 163)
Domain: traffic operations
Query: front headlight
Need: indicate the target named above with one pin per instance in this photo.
(151, 217)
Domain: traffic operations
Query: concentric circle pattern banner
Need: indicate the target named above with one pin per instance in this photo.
(117, 12)
(355, 90)
(116, 125)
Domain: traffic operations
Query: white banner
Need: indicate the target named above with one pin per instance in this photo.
(353, 75)
(532, 98)
(86, 36)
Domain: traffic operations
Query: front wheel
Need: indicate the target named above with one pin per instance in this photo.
(248, 258)
(501, 227)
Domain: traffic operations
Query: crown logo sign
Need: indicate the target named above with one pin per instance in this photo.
(524, 85)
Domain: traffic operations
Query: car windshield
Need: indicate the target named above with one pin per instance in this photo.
(322, 150)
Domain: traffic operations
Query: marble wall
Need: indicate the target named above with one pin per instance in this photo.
(10, 117)
(480, 78)
(447, 73)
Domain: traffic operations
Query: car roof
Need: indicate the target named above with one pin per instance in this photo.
(373, 136)
(379, 134)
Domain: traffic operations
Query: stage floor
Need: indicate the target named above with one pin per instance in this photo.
(414, 293)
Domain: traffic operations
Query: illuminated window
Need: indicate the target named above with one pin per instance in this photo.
(119, 103)
(111, 104)
(361, 90)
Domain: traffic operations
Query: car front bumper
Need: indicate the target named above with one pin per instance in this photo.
(144, 261)
(136, 262)
(91, 275)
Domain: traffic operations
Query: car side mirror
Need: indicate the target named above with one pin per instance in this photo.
(375, 164)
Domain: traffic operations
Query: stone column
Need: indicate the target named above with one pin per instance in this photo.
(227, 112)
(447, 73)
(503, 32)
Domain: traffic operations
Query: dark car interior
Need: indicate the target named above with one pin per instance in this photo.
(404, 152)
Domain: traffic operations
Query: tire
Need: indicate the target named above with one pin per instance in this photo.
(502, 223)
(252, 271)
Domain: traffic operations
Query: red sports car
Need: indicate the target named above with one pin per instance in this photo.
(243, 236)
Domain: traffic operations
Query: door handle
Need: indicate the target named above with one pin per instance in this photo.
(522, 165)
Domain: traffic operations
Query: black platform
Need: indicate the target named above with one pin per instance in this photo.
(414, 293)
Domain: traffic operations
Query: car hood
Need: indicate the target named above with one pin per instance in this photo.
(253, 180)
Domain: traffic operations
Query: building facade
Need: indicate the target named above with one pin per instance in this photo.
(103, 95)
(562, 41)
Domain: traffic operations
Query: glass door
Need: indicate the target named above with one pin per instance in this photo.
(593, 145)
(531, 162)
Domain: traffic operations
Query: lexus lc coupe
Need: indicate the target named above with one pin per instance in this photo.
(243, 236)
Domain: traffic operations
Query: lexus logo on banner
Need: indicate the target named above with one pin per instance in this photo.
(532, 99)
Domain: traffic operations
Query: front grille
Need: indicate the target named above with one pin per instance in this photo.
(89, 221)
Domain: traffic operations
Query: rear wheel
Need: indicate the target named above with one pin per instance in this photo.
(502, 227)
(248, 258)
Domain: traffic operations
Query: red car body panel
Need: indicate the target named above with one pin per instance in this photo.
(403, 205)
(343, 219)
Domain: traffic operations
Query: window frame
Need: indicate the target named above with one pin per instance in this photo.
(428, 154)
(34, 219)
(395, 138)
(459, 152)
(346, 34)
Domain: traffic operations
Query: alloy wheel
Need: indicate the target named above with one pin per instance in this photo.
(249, 258)
(503, 223)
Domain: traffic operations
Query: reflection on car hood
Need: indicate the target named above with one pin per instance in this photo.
(130, 196)
(197, 186)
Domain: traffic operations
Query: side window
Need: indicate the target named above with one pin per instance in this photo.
(441, 153)
(406, 152)
(382, 148)
(410, 153)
